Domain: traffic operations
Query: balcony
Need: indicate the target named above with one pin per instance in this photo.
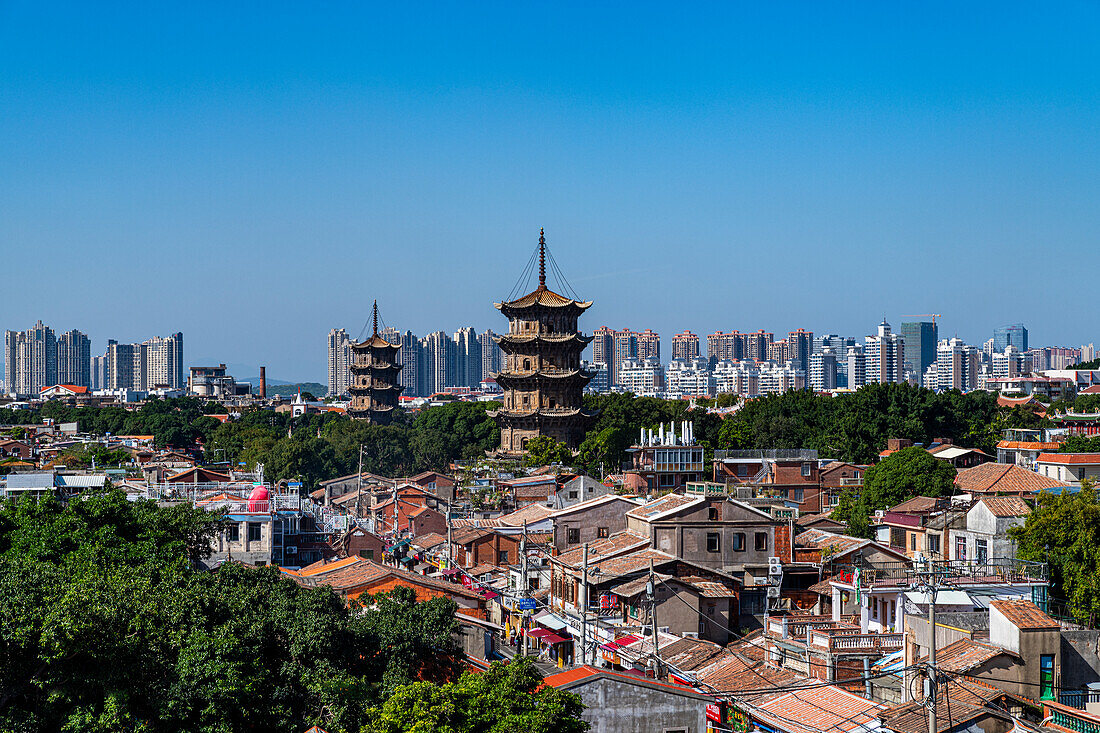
(841, 641)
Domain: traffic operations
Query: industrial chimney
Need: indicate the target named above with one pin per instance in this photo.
(263, 383)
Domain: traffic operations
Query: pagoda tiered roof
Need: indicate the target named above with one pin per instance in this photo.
(549, 339)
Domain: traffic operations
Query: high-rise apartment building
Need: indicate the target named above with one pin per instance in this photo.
(438, 352)
(649, 345)
(339, 362)
(778, 352)
(1013, 334)
(957, 365)
(161, 364)
(30, 359)
(123, 365)
(885, 353)
(467, 371)
(74, 359)
(921, 344)
(856, 367)
(800, 344)
(822, 372)
(625, 347)
(725, 347)
(99, 373)
(491, 355)
(643, 378)
(756, 345)
(685, 346)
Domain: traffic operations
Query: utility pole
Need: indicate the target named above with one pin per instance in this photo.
(359, 487)
(523, 583)
(450, 547)
(652, 588)
(584, 606)
(931, 702)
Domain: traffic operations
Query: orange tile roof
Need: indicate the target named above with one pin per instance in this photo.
(819, 709)
(1002, 478)
(617, 543)
(1023, 614)
(587, 672)
(964, 655)
(656, 507)
(1006, 506)
(1029, 445)
(1069, 458)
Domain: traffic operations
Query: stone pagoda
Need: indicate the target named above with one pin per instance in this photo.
(374, 369)
(542, 378)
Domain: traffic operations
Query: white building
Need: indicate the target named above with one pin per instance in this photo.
(339, 361)
(823, 369)
(885, 354)
(957, 365)
(643, 378)
(689, 377)
(1011, 363)
(857, 367)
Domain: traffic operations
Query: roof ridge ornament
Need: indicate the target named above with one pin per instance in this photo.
(376, 317)
(542, 259)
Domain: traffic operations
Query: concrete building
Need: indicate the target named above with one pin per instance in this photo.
(339, 362)
(689, 377)
(800, 344)
(822, 369)
(491, 355)
(956, 366)
(856, 367)
(162, 359)
(1069, 467)
(665, 460)
(438, 352)
(1011, 362)
(467, 359)
(643, 378)
(725, 347)
(885, 354)
(603, 350)
(625, 346)
(213, 382)
(685, 346)
(601, 379)
(30, 359)
(649, 345)
(74, 359)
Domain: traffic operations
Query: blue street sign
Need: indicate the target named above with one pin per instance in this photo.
(527, 604)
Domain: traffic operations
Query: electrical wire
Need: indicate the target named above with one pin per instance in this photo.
(524, 276)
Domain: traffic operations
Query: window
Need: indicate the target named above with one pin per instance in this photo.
(738, 543)
(368, 554)
(572, 536)
(533, 583)
(602, 532)
(981, 550)
(807, 470)
(933, 544)
(712, 513)
(761, 541)
(1046, 677)
(742, 469)
(526, 364)
(572, 494)
(795, 495)
(960, 548)
(254, 530)
(502, 557)
(913, 541)
(233, 533)
(713, 542)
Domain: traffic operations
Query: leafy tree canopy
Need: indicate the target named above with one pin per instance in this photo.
(544, 450)
(1064, 530)
(902, 475)
(505, 699)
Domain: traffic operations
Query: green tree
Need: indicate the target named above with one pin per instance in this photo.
(1064, 531)
(902, 475)
(509, 697)
(542, 450)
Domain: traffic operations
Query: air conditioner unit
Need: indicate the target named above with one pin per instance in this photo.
(292, 550)
(775, 570)
(773, 592)
(690, 634)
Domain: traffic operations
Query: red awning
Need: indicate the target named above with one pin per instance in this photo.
(538, 633)
(554, 638)
(628, 639)
(490, 595)
(450, 571)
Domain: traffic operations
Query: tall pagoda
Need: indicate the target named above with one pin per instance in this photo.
(543, 381)
(374, 369)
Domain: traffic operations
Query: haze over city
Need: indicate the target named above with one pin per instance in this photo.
(254, 176)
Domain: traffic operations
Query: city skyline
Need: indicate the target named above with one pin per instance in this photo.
(244, 173)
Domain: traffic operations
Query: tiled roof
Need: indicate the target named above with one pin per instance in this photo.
(1023, 614)
(709, 588)
(916, 505)
(562, 679)
(819, 539)
(430, 540)
(819, 709)
(598, 501)
(1006, 506)
(823, 587)
(632, 563)
(657, 507)
(1007, 478)
(691, 654)
(617, 543)
(964, 655)
(1028, 445)
(538, 491)
(968, 702)
(731, 673)
(545, 297)
(1088, 459)
(531, 513)
(345, 576)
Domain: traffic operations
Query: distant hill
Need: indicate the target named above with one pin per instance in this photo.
(315, 389)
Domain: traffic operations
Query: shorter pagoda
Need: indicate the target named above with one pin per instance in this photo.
(542, 379)
(374, 369)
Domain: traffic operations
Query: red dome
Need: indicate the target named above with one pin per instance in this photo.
(258, 499)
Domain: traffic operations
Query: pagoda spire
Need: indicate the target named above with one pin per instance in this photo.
(542, 259)
(376, 317)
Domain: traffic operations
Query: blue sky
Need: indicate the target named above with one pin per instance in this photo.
(256, 175)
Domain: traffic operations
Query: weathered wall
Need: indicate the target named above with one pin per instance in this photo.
(619, 707)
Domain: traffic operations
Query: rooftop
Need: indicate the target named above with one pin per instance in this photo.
(1006, 478)
(1024, 615)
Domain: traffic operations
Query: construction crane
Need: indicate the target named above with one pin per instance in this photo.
(933, 316)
